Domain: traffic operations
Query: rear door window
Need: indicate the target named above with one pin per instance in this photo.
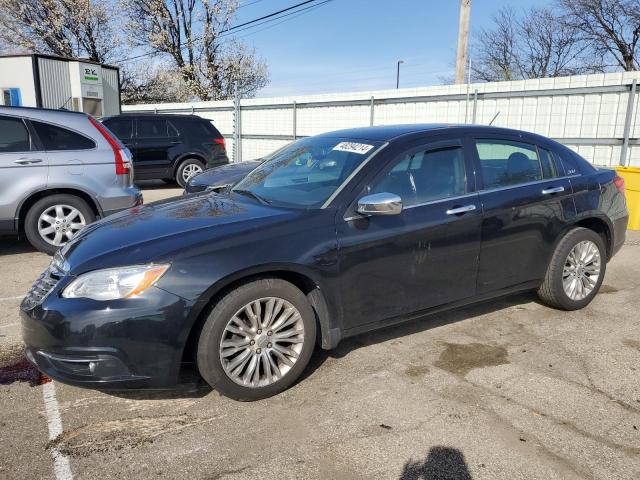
(14, 136)
(549, 169)
(55, 138)
(504, 163)
(152, 128)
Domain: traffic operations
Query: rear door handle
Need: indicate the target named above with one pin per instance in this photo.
(459, 210)
(549, 191)
(27, 161)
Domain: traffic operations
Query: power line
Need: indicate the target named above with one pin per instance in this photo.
(248, 4)
(264, 19)
(299, 13)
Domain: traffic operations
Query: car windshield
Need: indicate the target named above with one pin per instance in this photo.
(307, 172)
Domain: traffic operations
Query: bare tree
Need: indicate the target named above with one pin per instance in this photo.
(68, 28)
(191, 35)
(611, 26)
(145, 82)
(534, 44)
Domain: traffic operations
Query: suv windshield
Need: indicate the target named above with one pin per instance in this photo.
(305, 173)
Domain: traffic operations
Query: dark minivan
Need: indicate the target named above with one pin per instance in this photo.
(169, 147)
(335, 235)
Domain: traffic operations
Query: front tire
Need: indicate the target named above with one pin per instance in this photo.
(52, 221)
(257, 340)
(188, 169)
(576, 270)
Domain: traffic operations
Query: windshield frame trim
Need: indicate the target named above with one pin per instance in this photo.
(347, 180)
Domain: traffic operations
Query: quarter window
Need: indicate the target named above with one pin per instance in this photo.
(58, 138)
(548, 165)
(14, 136)
(426, 176)
(505, 163)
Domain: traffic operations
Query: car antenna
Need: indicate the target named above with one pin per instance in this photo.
(494, 118)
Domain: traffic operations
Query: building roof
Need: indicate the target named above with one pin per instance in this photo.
(57, 57)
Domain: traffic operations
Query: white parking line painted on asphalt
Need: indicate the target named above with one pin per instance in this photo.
(10, 325)
(61, 466)
(6, 299)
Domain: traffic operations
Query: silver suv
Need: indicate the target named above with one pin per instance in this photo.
(59, 171)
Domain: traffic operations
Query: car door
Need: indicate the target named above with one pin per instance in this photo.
(151, 156)
(23, 167)
(526, 203)
(427, 255)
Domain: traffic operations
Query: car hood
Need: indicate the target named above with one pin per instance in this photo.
(153, 232)
(224, 174)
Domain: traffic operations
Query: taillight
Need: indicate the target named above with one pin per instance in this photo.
(619, 183)
(220, 141)
(123, 167)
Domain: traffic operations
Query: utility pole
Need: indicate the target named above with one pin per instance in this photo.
(463, 40)
(398, 74)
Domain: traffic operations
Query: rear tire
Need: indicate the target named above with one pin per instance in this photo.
(188, 169)
(576, 270)
(42, 232)
(229, 330)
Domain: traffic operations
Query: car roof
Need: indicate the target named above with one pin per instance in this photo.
(160, 115)
(386, 133)
(13, 110)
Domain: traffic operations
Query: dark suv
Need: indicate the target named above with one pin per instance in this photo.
(169, 147)
(333, 236)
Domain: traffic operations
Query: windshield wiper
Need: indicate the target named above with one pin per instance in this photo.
(249, 193)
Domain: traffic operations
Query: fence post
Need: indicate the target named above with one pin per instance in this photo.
(371, 112)
(237, 128)
(475, 105)
(295, 120)
(627, 123)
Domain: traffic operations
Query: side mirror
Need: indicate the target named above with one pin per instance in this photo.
(380, 204)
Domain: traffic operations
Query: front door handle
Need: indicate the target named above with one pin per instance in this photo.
(549, 191)
(460, 210)
(27, 161)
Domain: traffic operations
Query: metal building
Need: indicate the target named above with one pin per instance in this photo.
(36, 80)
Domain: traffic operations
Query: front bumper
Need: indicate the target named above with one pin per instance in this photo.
(133, 343)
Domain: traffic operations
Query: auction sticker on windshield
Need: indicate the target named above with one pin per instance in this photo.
(353, 147)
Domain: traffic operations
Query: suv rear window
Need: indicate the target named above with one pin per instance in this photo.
(14, 136)
(57, 138)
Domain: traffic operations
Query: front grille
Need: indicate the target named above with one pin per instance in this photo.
(42, 287)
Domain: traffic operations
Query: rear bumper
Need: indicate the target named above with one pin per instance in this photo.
(619, 234)
(134, 343)
(136, 199)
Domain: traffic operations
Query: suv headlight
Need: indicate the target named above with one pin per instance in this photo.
(115, 283)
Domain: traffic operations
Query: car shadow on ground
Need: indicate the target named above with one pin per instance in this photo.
(414, 326)
(155, 184)
(15, 245)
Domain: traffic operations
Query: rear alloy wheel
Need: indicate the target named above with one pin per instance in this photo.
(52, 221)
(187, 170)
(576, 270)
(257, 340)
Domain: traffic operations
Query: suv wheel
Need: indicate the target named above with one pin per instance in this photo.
(576, 270)
(52, 221)
(188, 169)
(257, 340)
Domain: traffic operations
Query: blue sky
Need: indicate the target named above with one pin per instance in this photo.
(350, 45)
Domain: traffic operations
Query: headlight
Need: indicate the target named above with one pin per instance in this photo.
(115, 283)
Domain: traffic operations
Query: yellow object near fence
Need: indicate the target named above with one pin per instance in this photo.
(631, 177)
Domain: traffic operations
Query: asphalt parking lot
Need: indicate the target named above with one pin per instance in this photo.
(507, 389)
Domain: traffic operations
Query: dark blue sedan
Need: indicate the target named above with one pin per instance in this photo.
(334, 235)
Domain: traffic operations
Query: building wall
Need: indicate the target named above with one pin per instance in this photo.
(587, 112)
(17, 72)
(55, 83)
(110, 88)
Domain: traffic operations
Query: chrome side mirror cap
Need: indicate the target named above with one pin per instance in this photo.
(380, 204)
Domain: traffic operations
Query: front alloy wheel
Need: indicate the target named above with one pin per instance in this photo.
(257, 340)
(262, 342)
